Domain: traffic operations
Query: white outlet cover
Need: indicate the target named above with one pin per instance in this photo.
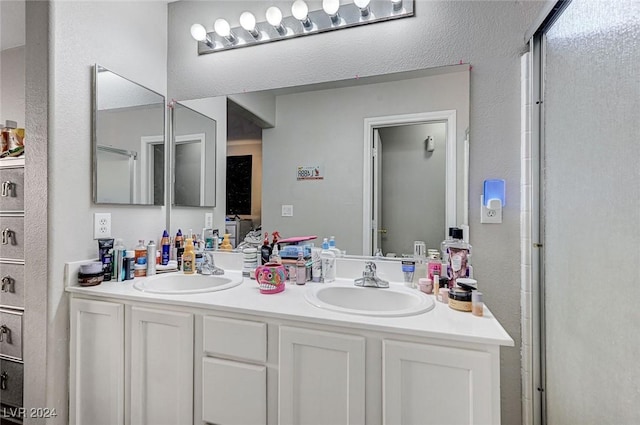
(208, 220)
(287, 210)
(101, 225)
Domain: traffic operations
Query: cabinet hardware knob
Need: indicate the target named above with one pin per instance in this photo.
(8, 189)
(4, 329)
(8, 234)
(7, 283)
(3, 380)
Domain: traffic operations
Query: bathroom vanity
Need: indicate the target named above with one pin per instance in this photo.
(236, 356)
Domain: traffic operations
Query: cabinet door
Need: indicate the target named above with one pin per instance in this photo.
(96, 384)
(161, 367)
(424, 385)
(233, 393)
(321, 377)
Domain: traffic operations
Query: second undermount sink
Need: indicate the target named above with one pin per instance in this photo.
(179, 283)
(395, 301)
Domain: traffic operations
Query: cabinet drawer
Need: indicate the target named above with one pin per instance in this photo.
(11, 382)
(233, 393)
(241, 339)
(12, 291)
(12, 238)
(11, 334)
(11, 189)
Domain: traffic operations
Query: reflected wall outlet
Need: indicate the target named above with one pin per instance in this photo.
(101, 225)
(287, 210)
(208, 220)
(492, 213)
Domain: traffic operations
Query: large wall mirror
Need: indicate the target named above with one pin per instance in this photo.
(422, 162)
(193, 137)
(128, 141)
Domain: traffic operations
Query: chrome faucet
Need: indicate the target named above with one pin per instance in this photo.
(209, 267)
(369, 278)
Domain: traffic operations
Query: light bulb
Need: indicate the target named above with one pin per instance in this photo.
(330, 7)
(299, 10)
(248, 21)
(198, 32)
(222, 27)
(274, 16)
(397, 4)
(363, 5)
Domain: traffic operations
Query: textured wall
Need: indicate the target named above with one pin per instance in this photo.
(592, 210)
(487, 34)
(129, 38)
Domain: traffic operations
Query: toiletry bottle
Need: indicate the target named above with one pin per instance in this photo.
(179, 244)
(333, 247)
(118, 269)
(276, 238)
(166, 247)
(316, 264)
(434, 266)
(141, 253)
(444, 243)
(189, 258)
(207, 234)
(129, 262)
(265, 251)
(301, 269)
(408, 270)
(151, 258)
(275, 255)
(328, 258)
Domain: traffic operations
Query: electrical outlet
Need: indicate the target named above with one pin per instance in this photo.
(101, 225)
(208, 220)
(287, 210)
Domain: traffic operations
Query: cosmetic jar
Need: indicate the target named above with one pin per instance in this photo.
(425, 285)
(467, 283)
(139, 270)
(91, 268)
(460, 299)
(90, 279)
(444, 295)
(477, 305)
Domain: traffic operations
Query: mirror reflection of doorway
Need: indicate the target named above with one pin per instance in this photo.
(244, 165)
(411, 170)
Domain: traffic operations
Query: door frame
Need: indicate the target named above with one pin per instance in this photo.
(369, 226)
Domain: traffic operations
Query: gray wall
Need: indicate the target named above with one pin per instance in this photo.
(487, 34)
(591, 212)
(326, 128)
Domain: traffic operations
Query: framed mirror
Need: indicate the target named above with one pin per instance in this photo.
(128, 141)
(193, 142)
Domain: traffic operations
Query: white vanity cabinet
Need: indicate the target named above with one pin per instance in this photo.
(96, 382)
(158, 354)
(321, 377)
(161, 366)
(436, 385)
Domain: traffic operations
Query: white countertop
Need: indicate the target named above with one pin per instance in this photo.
(442, 322)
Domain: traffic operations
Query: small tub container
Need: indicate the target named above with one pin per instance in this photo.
(425, 285)
(460, 299)
(139, 270)
(90, 279)
(91, 268)
(444, 295)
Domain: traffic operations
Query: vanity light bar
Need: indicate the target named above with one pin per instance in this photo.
(301, 22)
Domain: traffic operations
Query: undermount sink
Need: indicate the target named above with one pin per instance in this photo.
(178, 283)
(395, 301)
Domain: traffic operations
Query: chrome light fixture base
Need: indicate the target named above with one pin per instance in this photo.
(349, 15)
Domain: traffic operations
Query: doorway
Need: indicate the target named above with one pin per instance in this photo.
(411, 160)
(408, 190)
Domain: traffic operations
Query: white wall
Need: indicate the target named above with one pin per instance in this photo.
(129, 38)
(326, 128)
(487, 34)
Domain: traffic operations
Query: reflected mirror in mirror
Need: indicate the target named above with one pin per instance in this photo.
(128, 141)
(194, 157)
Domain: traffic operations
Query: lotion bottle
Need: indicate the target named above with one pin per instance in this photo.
(188, 258)
(328, 259)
